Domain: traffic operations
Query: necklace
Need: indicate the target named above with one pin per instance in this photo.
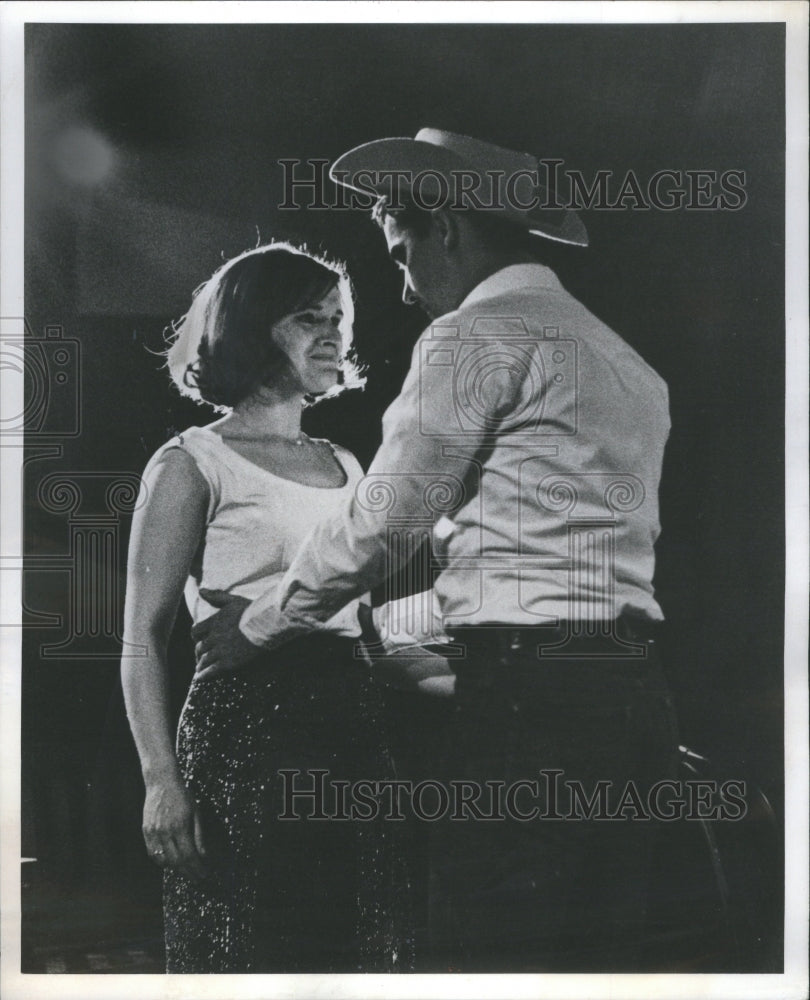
(265, 435)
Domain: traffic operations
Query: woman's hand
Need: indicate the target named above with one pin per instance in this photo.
(172, 829)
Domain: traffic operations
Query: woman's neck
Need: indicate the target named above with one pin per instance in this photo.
(268, 417)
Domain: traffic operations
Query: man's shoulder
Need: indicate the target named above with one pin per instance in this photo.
(547, 315)
(509, 312)
(525, 298)
(600, 345)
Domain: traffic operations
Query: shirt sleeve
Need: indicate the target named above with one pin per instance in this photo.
(415, 477)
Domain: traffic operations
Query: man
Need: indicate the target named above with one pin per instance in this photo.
(530, 437)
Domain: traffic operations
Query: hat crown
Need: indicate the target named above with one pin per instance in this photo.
(477, 153)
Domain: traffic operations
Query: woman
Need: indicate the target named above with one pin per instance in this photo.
(227, 505)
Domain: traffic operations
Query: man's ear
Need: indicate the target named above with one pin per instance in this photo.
(446, 226)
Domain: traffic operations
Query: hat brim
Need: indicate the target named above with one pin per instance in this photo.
(375, 167)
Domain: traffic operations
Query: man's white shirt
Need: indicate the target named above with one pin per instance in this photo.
(527, 442)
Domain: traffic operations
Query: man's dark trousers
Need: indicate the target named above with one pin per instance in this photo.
(557, 892)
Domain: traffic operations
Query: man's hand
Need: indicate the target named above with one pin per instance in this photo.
(219, 643)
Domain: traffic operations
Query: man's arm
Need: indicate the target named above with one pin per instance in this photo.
(412, 475)
(410, 479)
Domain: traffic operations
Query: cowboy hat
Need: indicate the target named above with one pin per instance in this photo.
(447, 169)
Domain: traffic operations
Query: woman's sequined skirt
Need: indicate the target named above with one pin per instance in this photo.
(297, 894)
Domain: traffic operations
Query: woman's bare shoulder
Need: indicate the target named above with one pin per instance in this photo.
(173, 465)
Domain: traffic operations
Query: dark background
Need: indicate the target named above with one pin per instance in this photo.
(176, 170)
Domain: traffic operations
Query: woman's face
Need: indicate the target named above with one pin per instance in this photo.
(312, 341)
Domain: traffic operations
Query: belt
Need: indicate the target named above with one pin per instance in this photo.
(627, 629)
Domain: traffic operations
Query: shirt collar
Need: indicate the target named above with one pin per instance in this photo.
(513, 278)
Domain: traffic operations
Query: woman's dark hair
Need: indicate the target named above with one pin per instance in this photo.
(222, 350)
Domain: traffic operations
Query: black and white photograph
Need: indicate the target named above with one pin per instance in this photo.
(404, 554)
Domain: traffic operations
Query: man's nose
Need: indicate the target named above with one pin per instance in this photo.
(408, 295)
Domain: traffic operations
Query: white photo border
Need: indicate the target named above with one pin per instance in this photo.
(791, 984)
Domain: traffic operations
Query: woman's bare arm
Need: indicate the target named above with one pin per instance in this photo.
(166, 532)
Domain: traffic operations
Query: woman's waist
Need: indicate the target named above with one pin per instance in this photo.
(321, 668)
(344, 623)
(311, 702)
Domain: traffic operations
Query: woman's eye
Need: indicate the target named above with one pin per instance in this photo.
(308, 318)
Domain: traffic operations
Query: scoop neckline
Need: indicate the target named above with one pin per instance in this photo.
(274, 475)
